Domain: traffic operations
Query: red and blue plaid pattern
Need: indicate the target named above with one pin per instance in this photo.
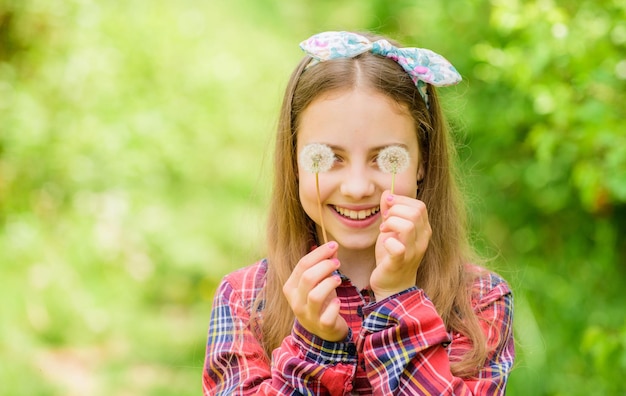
(398, 346)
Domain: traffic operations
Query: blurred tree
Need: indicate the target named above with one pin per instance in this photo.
(541, 134)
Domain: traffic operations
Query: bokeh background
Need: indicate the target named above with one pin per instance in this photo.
(135, 138)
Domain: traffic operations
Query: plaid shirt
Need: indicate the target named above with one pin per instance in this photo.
(397, 346)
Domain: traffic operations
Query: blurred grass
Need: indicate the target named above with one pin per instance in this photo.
(129, 191)
(135, 143)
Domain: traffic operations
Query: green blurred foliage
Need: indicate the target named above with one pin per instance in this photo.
(135, 139)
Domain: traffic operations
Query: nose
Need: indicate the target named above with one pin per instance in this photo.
(357, 183)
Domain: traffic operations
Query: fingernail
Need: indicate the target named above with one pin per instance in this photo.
(332, 244)
(389, 198)
(336, 261)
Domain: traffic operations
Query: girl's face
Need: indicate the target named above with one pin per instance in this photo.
(356, 125)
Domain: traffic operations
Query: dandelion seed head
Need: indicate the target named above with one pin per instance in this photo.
(393, 159)
(316, 157)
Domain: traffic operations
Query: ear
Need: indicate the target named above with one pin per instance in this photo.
(420, 173)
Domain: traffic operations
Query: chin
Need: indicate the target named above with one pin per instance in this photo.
(352, 244)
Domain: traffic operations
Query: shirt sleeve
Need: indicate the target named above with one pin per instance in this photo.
(407, 350)
(235, 362)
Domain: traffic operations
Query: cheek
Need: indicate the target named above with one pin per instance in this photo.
(406, 183)
(308, 195)
(307, 185)
(306, 181)
(307, 190)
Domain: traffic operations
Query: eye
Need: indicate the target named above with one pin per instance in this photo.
(393, 159)
(374, 159)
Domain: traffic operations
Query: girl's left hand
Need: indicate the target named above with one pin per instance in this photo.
(404, 237)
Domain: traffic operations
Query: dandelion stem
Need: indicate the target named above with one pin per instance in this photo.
(393, 181)
(316, 158)
(319, 206)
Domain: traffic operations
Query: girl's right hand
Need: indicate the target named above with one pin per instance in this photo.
(310, 291)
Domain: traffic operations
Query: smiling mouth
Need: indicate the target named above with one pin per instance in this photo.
(356, 214)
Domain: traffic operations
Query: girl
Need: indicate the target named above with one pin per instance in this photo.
(392, 305)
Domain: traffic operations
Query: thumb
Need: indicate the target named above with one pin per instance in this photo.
(386, 200)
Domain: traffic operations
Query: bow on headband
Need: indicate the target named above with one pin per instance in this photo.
(422, 65)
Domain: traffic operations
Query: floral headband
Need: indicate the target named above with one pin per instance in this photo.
(423, 65)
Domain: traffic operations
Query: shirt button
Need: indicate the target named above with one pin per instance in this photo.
(359, 311)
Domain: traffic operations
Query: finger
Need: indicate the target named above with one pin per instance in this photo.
(318, 297)
(297, 290)
(323, 252)
(386, 201)
(328, 318)
(318, 254)
(395, 248)
(398, 225)
(316, 274)
(409, 208)
(408, 232)
(406, 220)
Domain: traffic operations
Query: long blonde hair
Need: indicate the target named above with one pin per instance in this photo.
(444, 274)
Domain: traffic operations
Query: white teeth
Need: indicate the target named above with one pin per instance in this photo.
(357, 215)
